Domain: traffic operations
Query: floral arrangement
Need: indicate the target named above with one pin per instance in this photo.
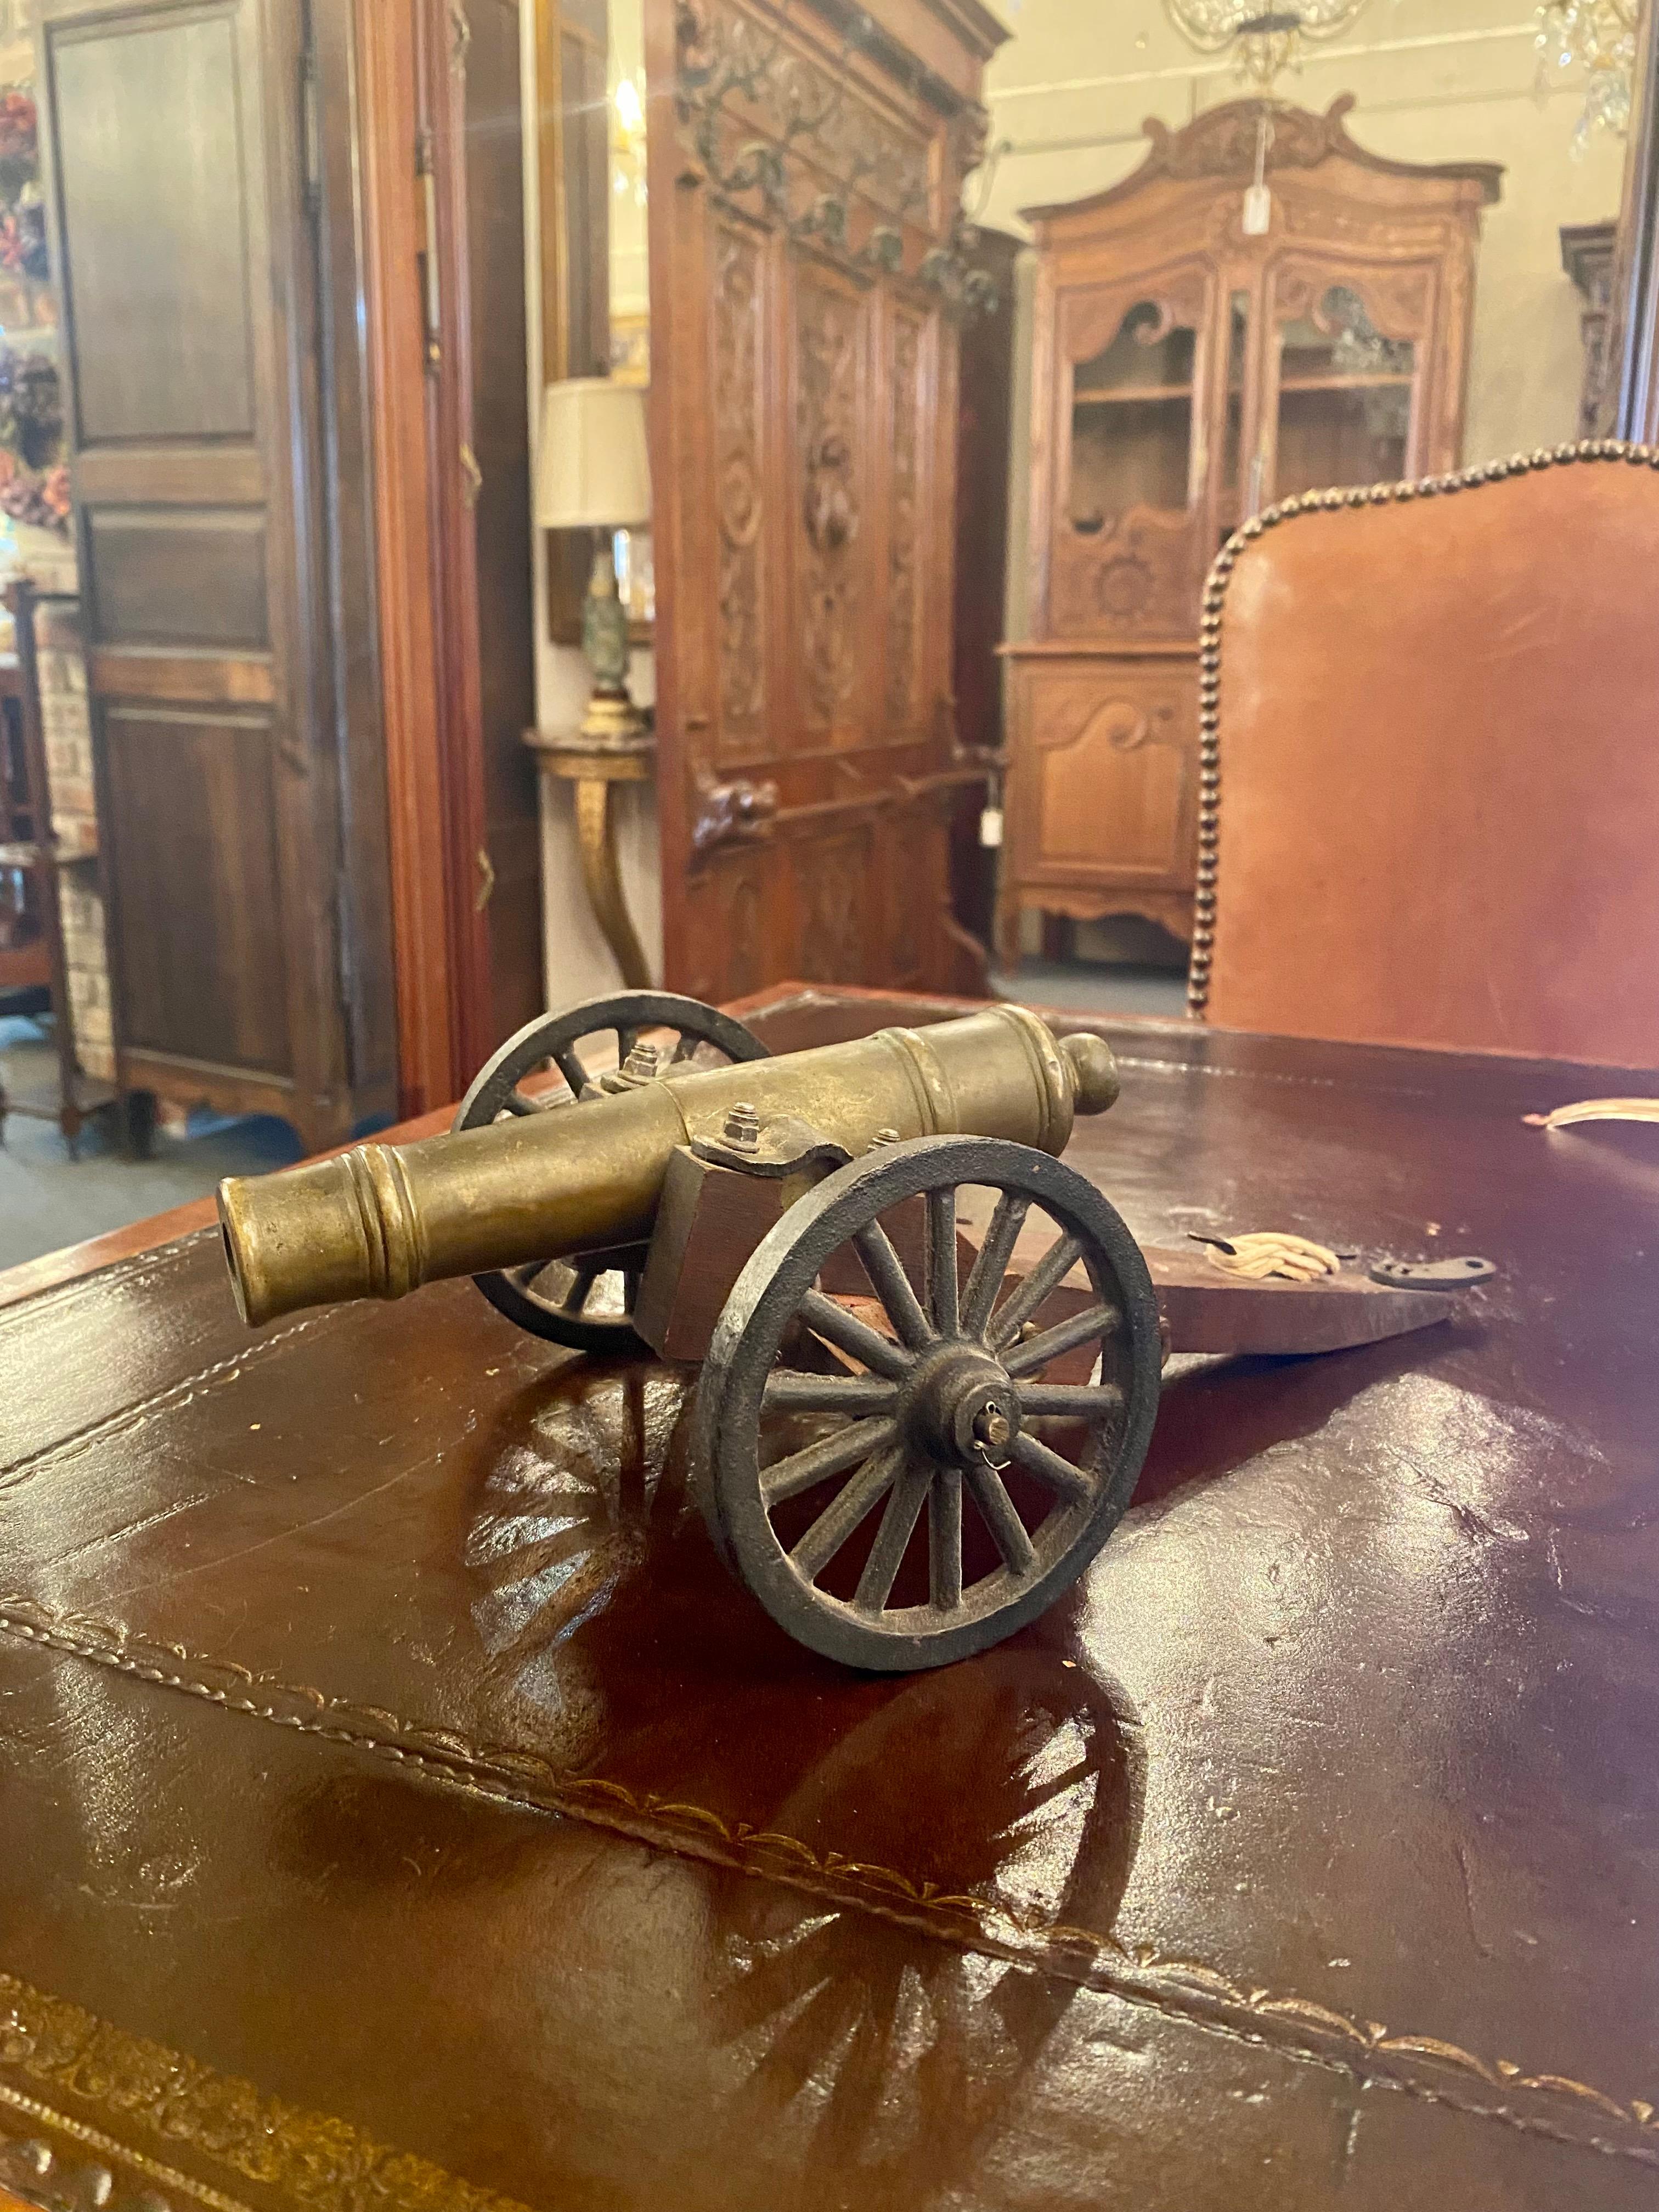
(33, 482)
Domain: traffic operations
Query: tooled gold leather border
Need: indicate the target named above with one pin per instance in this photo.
(53, 2182)
(1550, 2105)
(304, 2158)
(1209, 647)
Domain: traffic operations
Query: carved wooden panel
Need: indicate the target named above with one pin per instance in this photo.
(832, 450)
(904, 522)
(729, 919)
(1103, 786)
(1107, 746)
(808, 286)
(737, 318)
(834, 910)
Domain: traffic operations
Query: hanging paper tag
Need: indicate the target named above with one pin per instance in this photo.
(990, 828)
(1258, 211)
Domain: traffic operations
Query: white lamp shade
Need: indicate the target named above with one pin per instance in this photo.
(590, 467)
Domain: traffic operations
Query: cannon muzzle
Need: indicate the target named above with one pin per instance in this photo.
(381, 1219)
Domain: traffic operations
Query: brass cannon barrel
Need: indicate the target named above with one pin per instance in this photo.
(380, 1220)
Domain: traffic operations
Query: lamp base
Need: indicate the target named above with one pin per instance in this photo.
(613, 718)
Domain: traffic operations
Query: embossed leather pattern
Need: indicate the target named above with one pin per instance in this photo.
(401, 1805)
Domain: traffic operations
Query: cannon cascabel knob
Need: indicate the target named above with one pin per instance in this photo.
(1094, 1072)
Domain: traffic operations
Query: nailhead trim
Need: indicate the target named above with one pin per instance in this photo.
(1215, 599)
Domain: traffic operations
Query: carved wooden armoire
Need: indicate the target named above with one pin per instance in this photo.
(808, 277)
(1188, 374)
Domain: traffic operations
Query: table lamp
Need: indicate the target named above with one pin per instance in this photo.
(592, 474)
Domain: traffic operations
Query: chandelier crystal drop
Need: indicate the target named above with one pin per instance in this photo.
(1265, 42)
(1598, 36)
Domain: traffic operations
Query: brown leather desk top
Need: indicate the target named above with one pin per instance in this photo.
(401, 1807)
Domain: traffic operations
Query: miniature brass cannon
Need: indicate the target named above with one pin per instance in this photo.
(931, 1353)
(380, 1220)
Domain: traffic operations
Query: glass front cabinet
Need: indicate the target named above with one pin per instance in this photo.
(1197, 358)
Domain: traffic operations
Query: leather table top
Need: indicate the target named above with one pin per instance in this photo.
(400, 1806)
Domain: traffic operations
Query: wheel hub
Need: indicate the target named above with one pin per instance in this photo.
(961, 1407)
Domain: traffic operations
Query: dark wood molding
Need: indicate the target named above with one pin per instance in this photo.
(236, 475)
(1636, 268)
(451, 464)
(187, 678)
(388, 66)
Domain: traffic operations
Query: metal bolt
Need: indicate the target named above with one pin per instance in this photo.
(993, 1427)
(743, 1127)
(885, 1137)
(643, 1064)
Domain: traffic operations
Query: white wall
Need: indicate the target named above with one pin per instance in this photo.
(578, 963)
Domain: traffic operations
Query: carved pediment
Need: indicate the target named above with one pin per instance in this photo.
(1222, 142)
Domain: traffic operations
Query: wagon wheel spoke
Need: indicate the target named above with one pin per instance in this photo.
(685, 1049)
(790, 1391)
(945, 1539)
(627, 1038)
(1068, 1482)
(893, 1286)
(887, 1552)
(997, 1508)
(943, 1292)
(1017, 1308)
(992, 1265)
(567, 1061)
(838, 1520)
(517, 1102)
(1035, 1354)
(851, 1335)
(1094, 1403)
(815, 1463)
(583, 1276)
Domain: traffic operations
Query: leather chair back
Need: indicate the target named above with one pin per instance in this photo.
(1431, 756)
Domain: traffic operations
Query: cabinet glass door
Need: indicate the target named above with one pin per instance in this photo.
(1126, 554)
(1132, 422)
(1347, 396)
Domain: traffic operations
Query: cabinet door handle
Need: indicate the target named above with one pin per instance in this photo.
(486, 882)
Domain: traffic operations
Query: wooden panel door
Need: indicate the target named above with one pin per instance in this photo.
(806, 293)
(184, 220)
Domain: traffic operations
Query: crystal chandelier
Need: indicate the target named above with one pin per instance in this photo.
(1266, 42)
(1599, 35)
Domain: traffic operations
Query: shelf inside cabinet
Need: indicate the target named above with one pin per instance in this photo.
(1124, 394)
(1379, 383)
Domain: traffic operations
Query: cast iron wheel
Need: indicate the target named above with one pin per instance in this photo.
(553, 1298)
(933, 1414)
